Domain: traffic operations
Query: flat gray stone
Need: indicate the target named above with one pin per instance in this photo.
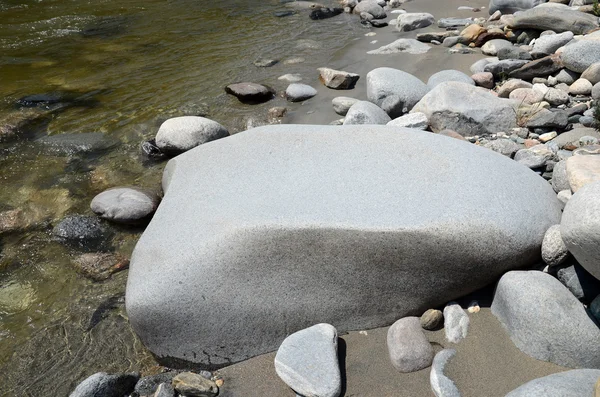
(395, 91)
(448, 75)
(456, 322)
(592, 73)
(574, 383)
(544, 118)
(556, 19)
(454, 22)
(548, 44)
(125, 204)
(179, 134)
(342, 104)
(105, 385)
(412, 120)
(580, 227)
(554, 250)
(545, 320)
(512, 6)
(410, 46)
(572, 137)
(466, 109)
(580, 55)
(307, 362)
(414, 20)
(299, 232)
(539, 68)
(364, 112)
(73, 144)
(297, 92)
(408, 346)
(441, 385)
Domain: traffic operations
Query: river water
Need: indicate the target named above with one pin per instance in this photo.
(135, 63)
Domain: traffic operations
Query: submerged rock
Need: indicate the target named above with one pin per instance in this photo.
(179, 134)
(71, 144)
(292, 178)
(100, 266)
(82, 232)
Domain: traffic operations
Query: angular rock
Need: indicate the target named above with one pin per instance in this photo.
(165, 390)
(342, 104)
(250, 93)
(448, 75)
(592, 73)
(363, 112)
(297, 92)
(580, 282)
(129, 205)
(297, 232)
(190, 384)
(580, 55)
(456, 322)
(412, 120)
(148, 384)
(180, 134)
(582, 170)
(414, 20)
(394, 91)
(544, 118)
(337, 79)
(580, 227)
(556, 19)
(307, 362)
(408, 346)
(476, 112)
(431, 319)
(493, 46)
(540, 67)
(441, 385)
(577, 382)
(105, 385)
(471, 32)
(548, 44)
(554, 250)
(545, 320)
(512, 6)
(410, 46)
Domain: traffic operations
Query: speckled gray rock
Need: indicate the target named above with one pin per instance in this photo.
(195, 236)
(580, 227)
(448, 75)
(534, 157)
(297, 92)
(574, 383)
(412, 120)
(164, 390)
(512, 6)
(371, 7)
(408, 346)
(82, 231)
(431, 319)
(341, 104)
(596, 91)
(544, 118)
(545, 320)
(556, 19)
(554, 251)
(364, 112)
(581, 283)
(556, 97)
(547, 44)
(414, 20)
(466, 109)
(307, 362)
(179, 134)
(456, 322)
(595, 308)
(394, 91)
(410, 46)
(125, 204)
(105, 385)
(580, 55)
(493, 46)
(441, 385)
(560, 181)
(506, 147)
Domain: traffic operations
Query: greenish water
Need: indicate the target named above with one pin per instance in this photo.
(135, 62)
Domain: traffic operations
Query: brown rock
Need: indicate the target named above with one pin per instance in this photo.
(432, 318)
(539, 68)
(337, 79)
(484, 79)
(277, 112)
(487, 36)
(16, 123)
(582, 170)
(100, 266)
(190, 384)
(13, 221)
(471, 32)
(529, 143)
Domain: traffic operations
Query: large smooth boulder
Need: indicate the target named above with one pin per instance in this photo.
(580, 227)
(574, 383)
(581, 55)
(545, 320)
(393, 90)
(346, 223)
(466, 109)
(512, 6)
(556, 19)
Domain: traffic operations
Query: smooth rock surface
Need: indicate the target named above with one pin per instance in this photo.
(448, 75)
(546, 45)
(414, 20)
(545, 320)
(554, 250)
(342, 104)
(574, 383)
(395, 91)
(250, 93)
(592, 73)
(493, 46)
(292, 178)
(364, 112)
(297, 92)
(456, 322)
(179, 134)
(441, 385)
(125, 204)
(412, 120)
(410, 46)
(307, 362)
(556, 19)
(477, 112)
(579, 281)
(408, 346)
(431, 319)
(337, 79)
(512, 6)
(582, 170)
(580, 55)
(105, 385)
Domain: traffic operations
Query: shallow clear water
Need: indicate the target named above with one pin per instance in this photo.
(130, 63)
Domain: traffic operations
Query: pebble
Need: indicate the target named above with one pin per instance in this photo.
(474, 307)
(432, 319)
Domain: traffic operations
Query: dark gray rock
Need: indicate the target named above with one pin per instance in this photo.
(501, 69)
(574, 383)
(538, 68)
(297, 92)
(265, 63)
(165, 390)
(512, 6)
(544, 118)
(148, 384)
(105, 385)
(513, 53)
(129, 205)
(441, 385)
(580, 227)
(595, 309)
(580, 55)
(408, 346)
(456, 322)
(548, 44)
(545, 320)
(448, 75)
(466, 109)
(554, 250)
(179, 134)
(82, 231)
(394, 91)
(556, 19)
(72, 144)
(581, 284)
(197, 236)
(325, 13)
(307, 362)
(363, 112)
(250, 93)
